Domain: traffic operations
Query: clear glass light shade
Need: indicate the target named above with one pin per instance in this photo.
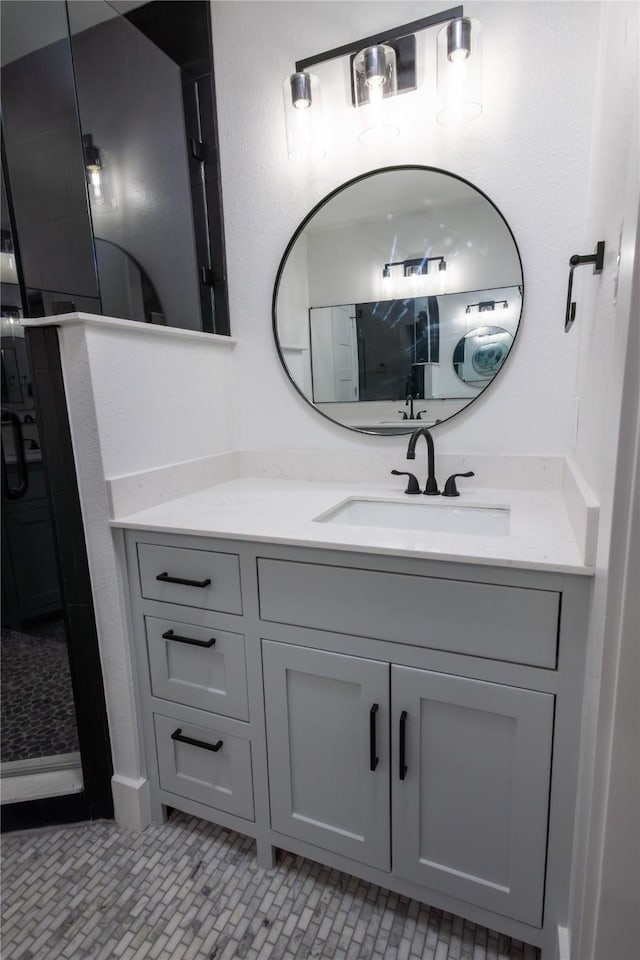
(303, 116)
(375, 84)
(94, 176)
(459, 71)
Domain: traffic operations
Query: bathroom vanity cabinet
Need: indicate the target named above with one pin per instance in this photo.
(412, 722)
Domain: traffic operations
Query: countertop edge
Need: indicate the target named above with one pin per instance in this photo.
(506, 564)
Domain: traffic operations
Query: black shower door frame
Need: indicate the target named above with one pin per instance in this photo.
(95, 801)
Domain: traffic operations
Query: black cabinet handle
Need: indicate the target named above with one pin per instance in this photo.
(187, 583)
(178, 735)
(170, 635)
(403, 737)
(373, 760)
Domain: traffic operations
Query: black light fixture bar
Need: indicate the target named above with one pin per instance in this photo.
(394, 33)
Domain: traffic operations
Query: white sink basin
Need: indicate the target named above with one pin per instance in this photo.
(420, 513)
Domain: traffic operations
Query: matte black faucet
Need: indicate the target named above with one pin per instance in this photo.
(409, 402)
(431, 489)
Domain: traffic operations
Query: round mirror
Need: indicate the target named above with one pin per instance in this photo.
(377, 299)
(478, 355)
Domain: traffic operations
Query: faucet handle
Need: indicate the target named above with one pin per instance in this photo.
(404, 414)
(450, 488)
(418, 417)
(412, 484)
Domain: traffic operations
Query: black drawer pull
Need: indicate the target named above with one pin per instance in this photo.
(170, 635)
(178, 735)
(373, 760)
(403, 737)
(187, 583)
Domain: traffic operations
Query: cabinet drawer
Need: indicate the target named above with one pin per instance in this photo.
(214, 577)
(516, 624)
(221, 779)
(200, 666)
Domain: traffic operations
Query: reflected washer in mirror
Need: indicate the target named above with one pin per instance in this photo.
(337, 262)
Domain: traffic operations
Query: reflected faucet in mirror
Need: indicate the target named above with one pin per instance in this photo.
(431, 488)
(410, 416)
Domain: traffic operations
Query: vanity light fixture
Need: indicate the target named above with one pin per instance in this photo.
(374, 81)
(303, 116)
(487, 305)
(459, 39)
(415, 267)
(459, 69)
(382, 66)
(93, 167)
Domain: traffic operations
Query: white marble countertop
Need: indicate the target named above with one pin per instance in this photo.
(283, 511)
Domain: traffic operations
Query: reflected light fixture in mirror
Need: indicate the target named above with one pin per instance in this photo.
(459, 69)
(383, 66)
(485, 305)
(93, 166)
(416, 267)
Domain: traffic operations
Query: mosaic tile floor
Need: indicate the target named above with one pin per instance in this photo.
(190, 890)
(38, 714)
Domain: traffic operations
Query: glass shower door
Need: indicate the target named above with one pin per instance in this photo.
(39, 750)
(39, 754)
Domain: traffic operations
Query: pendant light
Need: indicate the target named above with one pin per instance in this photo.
(375, 85)
(459, 68)
(303, 116)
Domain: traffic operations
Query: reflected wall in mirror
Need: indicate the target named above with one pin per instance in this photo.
(132, 116)
(126, 289)
(110, 143)
(377, 302)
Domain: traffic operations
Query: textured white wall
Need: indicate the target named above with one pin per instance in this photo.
(159, 399)
(529, 151)
(606, 882)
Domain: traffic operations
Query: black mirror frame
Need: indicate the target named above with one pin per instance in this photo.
(283, 262)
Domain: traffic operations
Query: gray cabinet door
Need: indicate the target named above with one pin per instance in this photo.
(470, 815)
(319, 726)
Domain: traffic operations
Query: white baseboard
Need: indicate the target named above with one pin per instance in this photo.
(564, 944)
(131, 802)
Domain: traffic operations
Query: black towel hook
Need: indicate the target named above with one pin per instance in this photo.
(597, 259)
